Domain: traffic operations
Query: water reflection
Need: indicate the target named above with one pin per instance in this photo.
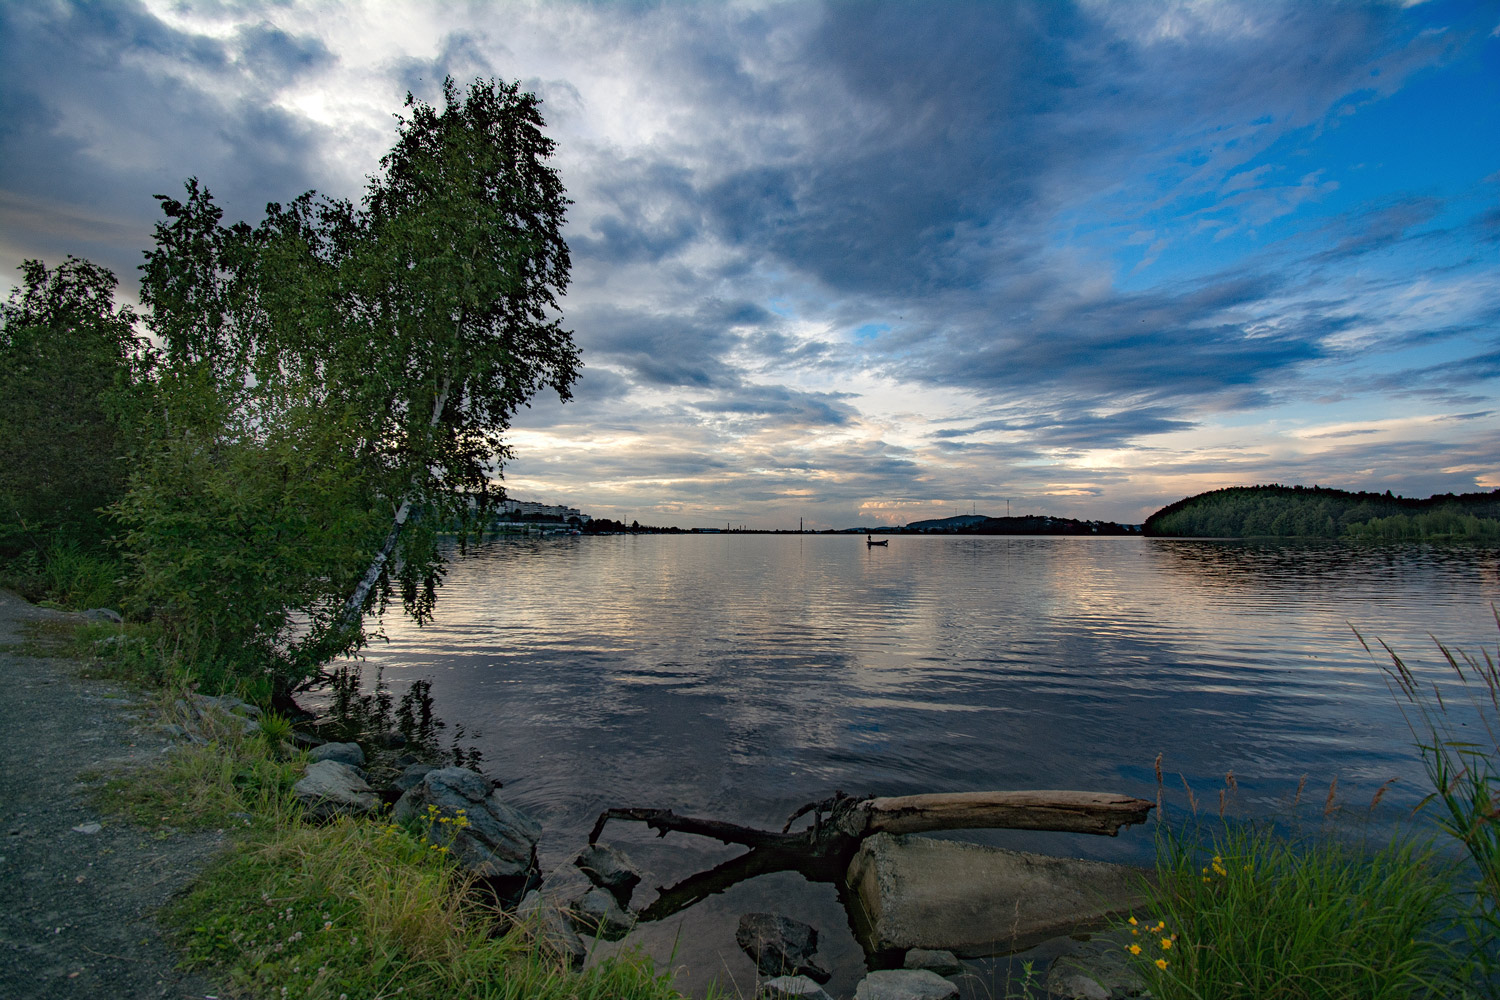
(737, 676)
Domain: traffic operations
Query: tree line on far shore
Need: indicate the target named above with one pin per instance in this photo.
(1320, 512)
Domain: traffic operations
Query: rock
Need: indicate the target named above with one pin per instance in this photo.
(302, 738)
(904, 984)
(790, 988)
(88, 828)
(917, 892)
(1094, 969)
(331, 788)
(344, 753)
(610, 869)
(103, 615)
(391, 740)
(459, 809)
(553, 930)
(601, 914)
(411, 777)
(1074, 986)
(780, 946)
(944, 963)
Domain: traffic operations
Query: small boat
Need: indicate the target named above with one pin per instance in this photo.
(872, 543)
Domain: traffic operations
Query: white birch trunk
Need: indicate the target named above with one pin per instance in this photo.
(354, 607)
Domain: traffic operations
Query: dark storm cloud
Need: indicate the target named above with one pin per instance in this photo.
(1085, 430)
(1154, 347)
(103, 105)
(787, 407)
(642, 210)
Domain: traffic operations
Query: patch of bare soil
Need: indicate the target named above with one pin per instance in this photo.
(78, 890)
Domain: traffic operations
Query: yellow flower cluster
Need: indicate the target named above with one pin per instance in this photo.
(1164, 940)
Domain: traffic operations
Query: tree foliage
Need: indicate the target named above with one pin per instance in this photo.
(336, 383)
(71, 374)
(1318, 512)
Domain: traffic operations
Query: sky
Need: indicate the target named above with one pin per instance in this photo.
(868, 263)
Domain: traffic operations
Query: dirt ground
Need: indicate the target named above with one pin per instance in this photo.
(76, 908)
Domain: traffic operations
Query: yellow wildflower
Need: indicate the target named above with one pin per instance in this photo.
(1135, 949)
(1161, 963)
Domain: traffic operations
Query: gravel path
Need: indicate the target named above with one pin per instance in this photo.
(76, 907)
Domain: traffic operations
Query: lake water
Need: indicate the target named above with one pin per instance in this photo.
(740, 676)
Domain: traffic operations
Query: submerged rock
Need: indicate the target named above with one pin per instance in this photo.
(1094, 969)
(780, 946)
(944, 963)
(330, 788)
(904, 984)
(609, 868)
(601, 914)
(790, 988)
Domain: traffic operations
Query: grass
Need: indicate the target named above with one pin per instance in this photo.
(1246, 913)
(66, 575)
(361, 909)
(354, 908)
(1458, 735)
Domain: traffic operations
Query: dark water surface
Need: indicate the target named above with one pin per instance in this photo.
(738, 677)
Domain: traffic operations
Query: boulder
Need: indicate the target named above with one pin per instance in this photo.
(461, 810)
(944, 963)
(103, 615)
(344, 753)
(412, 776)
(780, 946)
(1094, 969)
(330, 788)
(904, 984)
(601, 914)
(917, 892)
(610, 869)
(790, 988)
(552, 928)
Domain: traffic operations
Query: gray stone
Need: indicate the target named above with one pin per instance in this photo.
(602, 915)
(330, 788)
(780, 946)
(483, 833)
(552, 929)
(1074, 986)
(790, 988)
(1094, 969)
(103, 615)
(411, 777)
(944, 963)
(904, 984)
(344, 753)
(302, 738)
(609, 868)
(917, 892)
(230, 704)
(88, 828)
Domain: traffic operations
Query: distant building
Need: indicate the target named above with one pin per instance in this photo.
(529, 510)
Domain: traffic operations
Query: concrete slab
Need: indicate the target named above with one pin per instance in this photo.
(917, 892)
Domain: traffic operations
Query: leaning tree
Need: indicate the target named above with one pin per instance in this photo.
(337, 382)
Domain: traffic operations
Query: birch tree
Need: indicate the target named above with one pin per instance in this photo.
(338, 380)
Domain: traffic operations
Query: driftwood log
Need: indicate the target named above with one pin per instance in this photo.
(840, 823)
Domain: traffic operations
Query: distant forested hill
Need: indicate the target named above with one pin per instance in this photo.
(1317, 512)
